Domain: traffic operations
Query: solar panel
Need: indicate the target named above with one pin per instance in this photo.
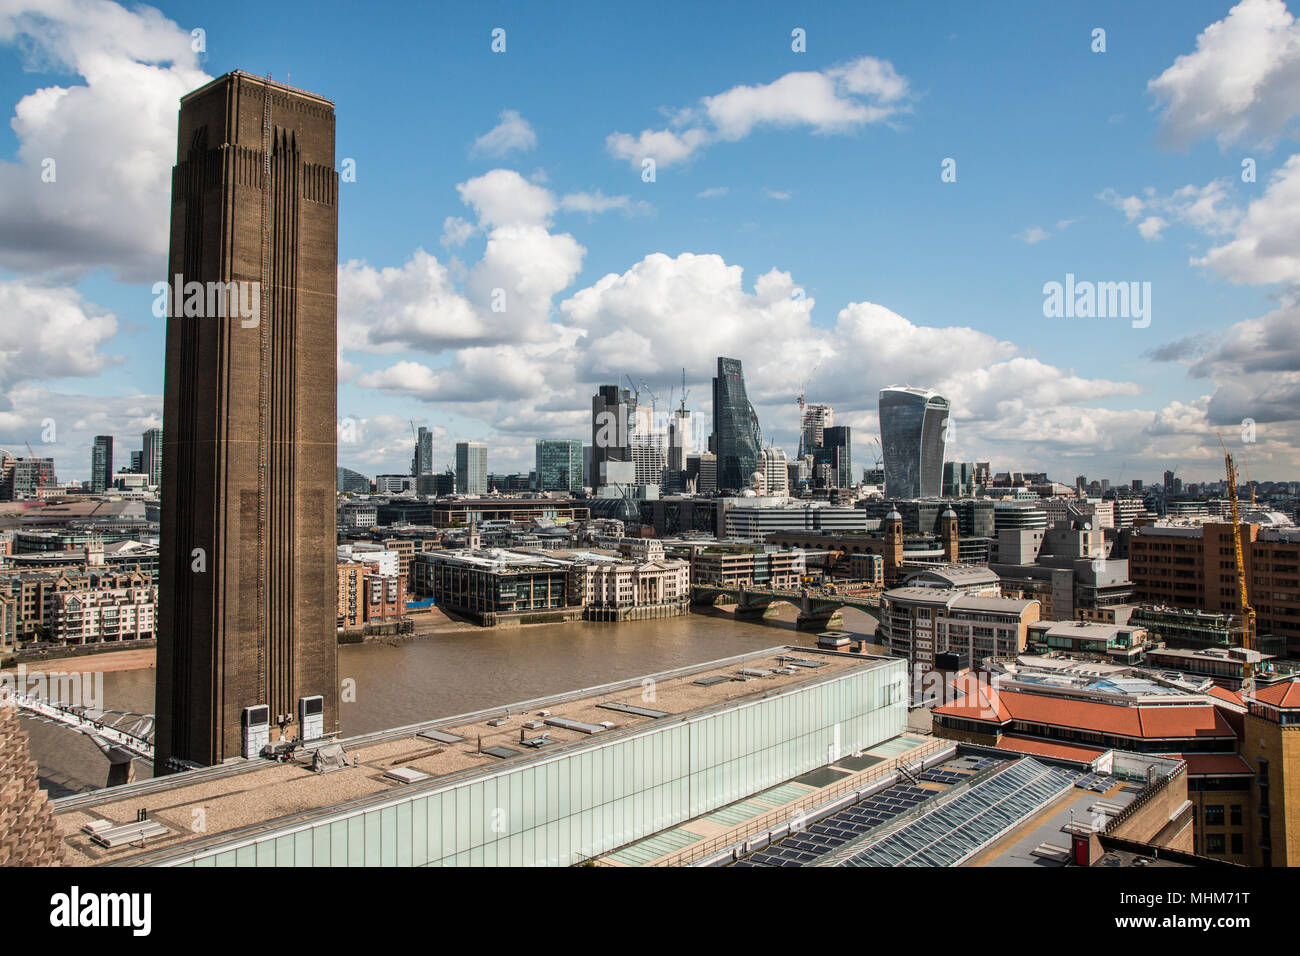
(710, 681)
(441, 736)
(959, 826)
(502, 752)
(564, 723)
(632, 709)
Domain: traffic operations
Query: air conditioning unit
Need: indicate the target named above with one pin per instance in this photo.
(311, 717)
(256, 724)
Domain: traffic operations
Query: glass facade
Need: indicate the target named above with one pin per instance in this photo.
(836, 451)
(151, 456)
(912, 426)
(101, 463)
(471, 468)
(612, 412)
(559, 465)
(422, 459)
(563, 809)
(736, 435)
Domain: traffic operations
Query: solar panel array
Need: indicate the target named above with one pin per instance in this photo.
(954, 830)
(832, 832)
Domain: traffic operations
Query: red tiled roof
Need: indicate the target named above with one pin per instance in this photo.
(978, 700)
(1042, 748)
(1223, 694)
(1215, 765)
(1137, 721)
(1281, 694)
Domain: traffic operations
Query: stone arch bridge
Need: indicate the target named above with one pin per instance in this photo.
(819, 608)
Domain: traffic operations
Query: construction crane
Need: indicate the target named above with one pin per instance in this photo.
(1250, 483)
(1247, 612)
(799, 401)
(40, 472)
(654, 401)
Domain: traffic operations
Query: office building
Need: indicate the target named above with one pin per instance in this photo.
(816, 419)
(559, 465)
(422, 459)
(649, 450)
(753, 519)
(921, 623)
(247, 571)
(702, 471)
(351, 482)
(612, 411)
(732, 566)
(775, 472)
(736, 436)
(836, 454)
(394, 484)
(913, 422)
(490, 585)
(958, 479)
(1193, 565)
(471, 468)
(101, 464)
(151, 457)
(23, 478)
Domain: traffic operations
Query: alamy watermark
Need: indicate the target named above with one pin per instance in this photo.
(84, 689)
(209, 300)
(1083, 299)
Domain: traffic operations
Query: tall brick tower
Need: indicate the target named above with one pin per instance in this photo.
(246, 572)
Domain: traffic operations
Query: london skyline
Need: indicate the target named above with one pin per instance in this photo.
(799, 220)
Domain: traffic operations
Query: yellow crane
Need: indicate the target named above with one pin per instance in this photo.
(1247, 612)
(1250, 482)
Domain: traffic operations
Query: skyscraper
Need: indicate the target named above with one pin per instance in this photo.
(151, 457)
(816, 419)
(912, 424)
(836, 451)
(248, 585)
(422, 460)
(559, 465)
(776, 474)
(471, 468)
(736, 436)
(101, 464)
(612, 410)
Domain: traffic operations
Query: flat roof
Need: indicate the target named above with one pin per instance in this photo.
(259, 794)
(253, 77)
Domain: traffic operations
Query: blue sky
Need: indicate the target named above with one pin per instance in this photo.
(941, 283)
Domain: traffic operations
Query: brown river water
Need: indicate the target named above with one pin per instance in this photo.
(446, 674)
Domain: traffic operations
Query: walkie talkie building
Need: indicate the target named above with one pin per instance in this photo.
(912, 426)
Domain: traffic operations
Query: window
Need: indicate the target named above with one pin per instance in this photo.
(1236, 843)
(1236, 815)
(1214, 843)
(1214, 815)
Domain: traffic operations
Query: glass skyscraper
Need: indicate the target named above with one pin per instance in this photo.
(612, 412)
(151, 456)
(736, 435)
(559, 464)
(836, 450)
(422, 460)
(101, 464)
(471, 468)
(912, 423)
